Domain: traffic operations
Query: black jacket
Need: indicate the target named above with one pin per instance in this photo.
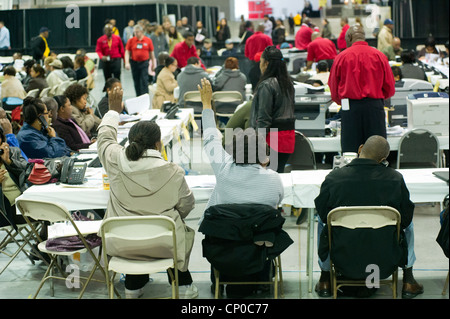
(239, 238)
(271, 108)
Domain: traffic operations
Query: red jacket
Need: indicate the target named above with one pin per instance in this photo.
(258, 42)
(321, 49)
(181, 52)
(303, 37)
(361, 72)
(115, 51)
(341, 43)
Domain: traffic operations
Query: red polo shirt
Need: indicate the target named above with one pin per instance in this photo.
(321, 49)
(140, 49)
(182, 52)
(303, 37)
(256, 43)
(112, 47)
(341, 43)
(361, 72)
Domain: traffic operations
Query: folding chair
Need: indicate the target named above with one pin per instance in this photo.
(225, 102)
(83, 82)
(16, 235)
(53, 212)
(376, 222)
(124, 239)
(193, 99)
(61, 88)
(45, 92)
(418, 148)
(33, 93)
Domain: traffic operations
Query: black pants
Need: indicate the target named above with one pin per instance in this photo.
(282, 160)
(111, 69)
(139, 71)
(133, 282)
(365, 118)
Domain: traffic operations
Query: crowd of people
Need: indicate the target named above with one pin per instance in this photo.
(359, 78)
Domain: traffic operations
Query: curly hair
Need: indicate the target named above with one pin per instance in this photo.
(74, 92)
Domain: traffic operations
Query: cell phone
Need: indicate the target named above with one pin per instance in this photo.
(43, 121)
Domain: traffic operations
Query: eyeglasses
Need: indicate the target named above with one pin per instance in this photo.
(45, 113)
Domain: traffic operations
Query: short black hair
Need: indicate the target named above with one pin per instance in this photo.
(408, 56)
(193, 60)
(9, 70)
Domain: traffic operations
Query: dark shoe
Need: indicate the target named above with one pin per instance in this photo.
(323, 289)
(410, 291)
(303, 216)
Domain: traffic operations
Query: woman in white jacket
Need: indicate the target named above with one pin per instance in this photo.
(143, 183)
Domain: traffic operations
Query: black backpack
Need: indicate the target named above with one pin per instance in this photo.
(442, 238)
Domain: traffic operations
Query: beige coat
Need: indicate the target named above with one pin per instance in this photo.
(165, 85)
(12, 87)
(87, 122)
(149, 186)
(385, 38)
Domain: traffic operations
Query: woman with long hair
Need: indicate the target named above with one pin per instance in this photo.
(223, 33)
(273, 105)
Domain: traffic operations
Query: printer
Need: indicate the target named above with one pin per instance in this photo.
(311, 104)
(403, 88)
(293, 55)
(429, 111)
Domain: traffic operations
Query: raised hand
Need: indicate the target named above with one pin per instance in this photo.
(115, 100)
(205, 93)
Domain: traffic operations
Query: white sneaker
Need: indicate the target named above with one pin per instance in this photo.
(134, 294)
(188, 291)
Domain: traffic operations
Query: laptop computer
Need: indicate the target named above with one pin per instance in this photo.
(442, 175)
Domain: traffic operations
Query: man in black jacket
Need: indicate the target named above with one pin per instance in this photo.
(40, 46)
(366, 182)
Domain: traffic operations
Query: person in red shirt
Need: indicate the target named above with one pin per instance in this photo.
(257, 42)
(110, 51)
(139, 51)
(320, 49)
(341, 43)
(360, 80)
(303, 36)
(185, 50)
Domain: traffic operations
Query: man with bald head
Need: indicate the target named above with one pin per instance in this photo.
(320, 49)
(393, 50)
(303, 36)
(360, 80)
(111, 52)
(368, 181)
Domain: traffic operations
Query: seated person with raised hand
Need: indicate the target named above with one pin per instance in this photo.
(240, 179)
(67, 128)
(36, 138)
(367, 182)
(81, 113)
(143, 183)
(103, 106)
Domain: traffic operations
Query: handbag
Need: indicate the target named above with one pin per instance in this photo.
(39, 173)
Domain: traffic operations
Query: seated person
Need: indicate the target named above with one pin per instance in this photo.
(397, 75)
(80, 70)
(323, 73)
(230, 78)
(143, 183)
(230, 50)
(88, 63)
(11, 138)
(68, 67)
(11, 86)
(56, 75)
(103, 106)
(239, 180)
(409, 70)
(190, 77)
(393, 50)
(166, 83)
(38, 80)
(366, 182)
(162, 56)
(26, 71)
(430, 53)
(67, 128)
(207, 49)
(83, 115)
(36, 138)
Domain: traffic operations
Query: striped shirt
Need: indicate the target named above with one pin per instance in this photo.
(237, 184)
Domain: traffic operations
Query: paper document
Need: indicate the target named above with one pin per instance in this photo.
(66, 229)
(138, 104)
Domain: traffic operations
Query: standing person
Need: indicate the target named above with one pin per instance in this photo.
(128, 31)
(159, 41)
(5, 43)
(175, 37)
(303, 36)
(268, 26)
(144, 184)
(320, 49)
(341, 42)
(360, 80)
(326, 31)
(273, 105)
(385, 36)
(200, 34)
(185, 50)
(257, 42)
(138, 52)
(39, 45)
(110, 51)
(279, 33)
(223, 33)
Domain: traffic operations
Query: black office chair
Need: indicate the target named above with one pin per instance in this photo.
(418, 148)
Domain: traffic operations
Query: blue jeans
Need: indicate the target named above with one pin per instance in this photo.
(409, 235)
